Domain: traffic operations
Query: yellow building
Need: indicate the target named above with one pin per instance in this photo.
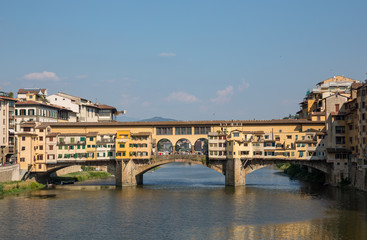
(123, 147)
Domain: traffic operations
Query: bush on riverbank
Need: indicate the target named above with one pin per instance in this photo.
(82, 176)
(19, 186)
(301, 173)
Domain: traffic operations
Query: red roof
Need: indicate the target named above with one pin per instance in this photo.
(103, 106)
(24, 91)
(8, 98)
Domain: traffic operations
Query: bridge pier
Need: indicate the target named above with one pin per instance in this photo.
(235, 174)
(126, 173)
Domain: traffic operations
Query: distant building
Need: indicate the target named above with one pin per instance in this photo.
(85, 110)
(32, 111)
(32, 94)
(313, 108)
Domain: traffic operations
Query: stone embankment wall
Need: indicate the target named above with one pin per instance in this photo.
(9, 173)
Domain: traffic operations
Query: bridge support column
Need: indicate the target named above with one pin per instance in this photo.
(235, 174)
(126, 173)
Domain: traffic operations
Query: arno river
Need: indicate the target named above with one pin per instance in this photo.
(187, 202)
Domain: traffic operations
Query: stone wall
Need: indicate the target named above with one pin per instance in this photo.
(9, 173)
(63, 171)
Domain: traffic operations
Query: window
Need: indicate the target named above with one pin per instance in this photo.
(340, 129)
(51, 139)
(41, 138)
(340, 140)
(59, 156)
(202, 130)
(51, 147)
(91, 138)
(23, 138)
(60, 147)
(164, 130)
(72, 140)
(122, 145)
(82, 139)
(183, 130)
(23, 148)
(41, 147)
(236, 134)
(336, 107)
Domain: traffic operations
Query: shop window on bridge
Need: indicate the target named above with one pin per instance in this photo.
(164, 130)
(183, 130)
(202, 130)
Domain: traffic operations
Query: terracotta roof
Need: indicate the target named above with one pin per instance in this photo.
(25, 91)
(183, 123)
(356, 85)
(141, 134)
(8, 98)
(72, 134)
(54, 134)
(92, 134)
(28, 124)
(103, 106)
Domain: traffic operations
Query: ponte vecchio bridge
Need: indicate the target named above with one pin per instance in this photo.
(233, 148)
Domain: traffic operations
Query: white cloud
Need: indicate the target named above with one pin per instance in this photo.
(244, 85)
(182, 97)
(224, 95)
(43, 76)
(166, 54)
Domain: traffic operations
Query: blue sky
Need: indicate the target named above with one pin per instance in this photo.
(187, 60)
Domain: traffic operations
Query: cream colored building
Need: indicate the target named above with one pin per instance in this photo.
(7, 137)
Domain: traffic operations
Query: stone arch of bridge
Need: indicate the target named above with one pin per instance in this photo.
(201, 146)
(164, 145)
(183, 145)
(174, 138)
(144, 169)
(252, 166)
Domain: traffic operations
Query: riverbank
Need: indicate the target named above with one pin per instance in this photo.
(301, 173)
(19, 186)
(81, 176)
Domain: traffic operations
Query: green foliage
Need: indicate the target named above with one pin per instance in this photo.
(19, 186)
(283, 166)
(290, 116)
(82, 176)
(87, 168)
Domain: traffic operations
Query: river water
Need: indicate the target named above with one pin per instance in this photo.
(181, 201)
